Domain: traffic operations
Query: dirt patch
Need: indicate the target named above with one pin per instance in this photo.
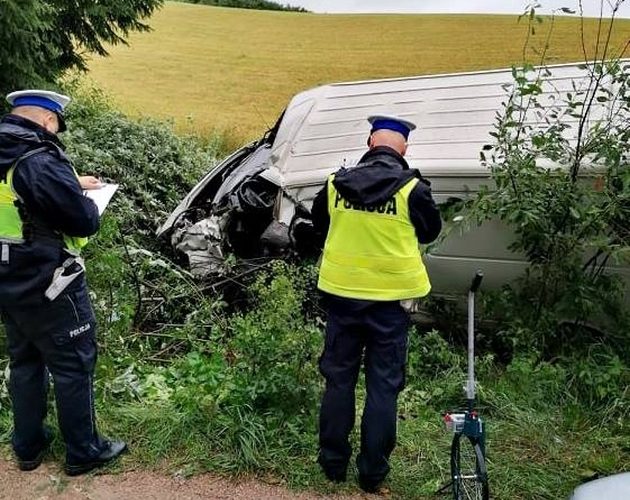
(49, 482)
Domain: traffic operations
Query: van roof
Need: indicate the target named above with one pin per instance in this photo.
(326, 127)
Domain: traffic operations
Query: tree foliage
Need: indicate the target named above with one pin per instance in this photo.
(249, 4)
(40, 39)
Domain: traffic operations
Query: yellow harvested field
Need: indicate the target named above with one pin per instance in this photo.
(233, 71)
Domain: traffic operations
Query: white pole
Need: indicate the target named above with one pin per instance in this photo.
(470, 385)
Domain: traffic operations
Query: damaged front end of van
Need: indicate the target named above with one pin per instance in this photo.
(234, 210)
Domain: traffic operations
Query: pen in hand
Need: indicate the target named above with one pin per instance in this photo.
(88, 182)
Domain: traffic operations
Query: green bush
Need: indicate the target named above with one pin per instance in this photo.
(599, 377)
(154, 167)
(274, 351)
(264, 358)
(252, 390)
(570, 219)
(142, 298)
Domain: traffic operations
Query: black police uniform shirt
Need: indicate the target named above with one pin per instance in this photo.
(51, 193)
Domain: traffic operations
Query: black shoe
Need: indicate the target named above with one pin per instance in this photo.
(29, 465)
(335, 476)
(369, 486)
(113, 449)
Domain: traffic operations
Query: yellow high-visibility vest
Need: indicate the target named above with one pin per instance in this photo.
(11, 222)
(372, 252)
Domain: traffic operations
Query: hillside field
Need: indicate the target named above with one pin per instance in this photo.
(233, 71)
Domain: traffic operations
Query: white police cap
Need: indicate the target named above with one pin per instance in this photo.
(46, 99)
(391, 122)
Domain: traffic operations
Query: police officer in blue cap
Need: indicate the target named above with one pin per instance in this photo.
(373, 217)
(44, 222)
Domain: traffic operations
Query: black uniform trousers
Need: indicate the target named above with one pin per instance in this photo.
(376, 332)
(56, 337)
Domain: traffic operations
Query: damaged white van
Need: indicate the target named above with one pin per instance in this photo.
(257, 201)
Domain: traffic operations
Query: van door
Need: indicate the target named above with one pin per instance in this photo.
(462, 250)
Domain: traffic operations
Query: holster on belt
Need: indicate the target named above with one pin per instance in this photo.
(65, 274)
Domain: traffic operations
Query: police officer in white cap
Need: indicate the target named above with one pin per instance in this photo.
(372, 217)
(44, 222)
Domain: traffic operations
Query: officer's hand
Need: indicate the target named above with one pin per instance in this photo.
(90, 182)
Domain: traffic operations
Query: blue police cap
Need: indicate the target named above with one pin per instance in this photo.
(391, 122)
(46, 99)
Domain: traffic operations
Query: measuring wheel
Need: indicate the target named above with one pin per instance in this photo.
(469, 475)
(468, 469)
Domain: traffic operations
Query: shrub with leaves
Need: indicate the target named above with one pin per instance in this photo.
(560, 164)
(274, 350)
(265, 356)
(143, 299)
(154, 167)
(253, 388)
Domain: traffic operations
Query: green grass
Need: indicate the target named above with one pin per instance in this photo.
(233, 71)
(532, 452)
(541, 455)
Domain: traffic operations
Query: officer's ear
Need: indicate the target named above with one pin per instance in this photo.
(404, 150)
(51, 122)
(370, 141)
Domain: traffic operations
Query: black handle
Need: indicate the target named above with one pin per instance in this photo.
(476, 281)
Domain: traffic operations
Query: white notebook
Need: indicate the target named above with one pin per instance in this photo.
(101, 196)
